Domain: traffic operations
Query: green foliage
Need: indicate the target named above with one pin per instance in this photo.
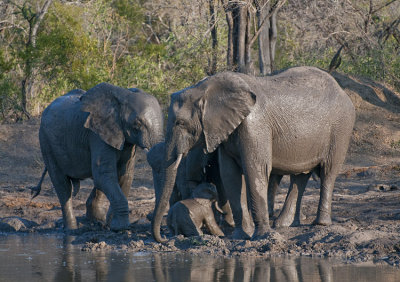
(132, 44)
(9, 95)
(395, 144)
(132, 11)
(68, 57)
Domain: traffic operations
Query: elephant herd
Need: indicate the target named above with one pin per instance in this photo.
(239, 132)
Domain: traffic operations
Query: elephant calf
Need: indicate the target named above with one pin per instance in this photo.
(186, 217)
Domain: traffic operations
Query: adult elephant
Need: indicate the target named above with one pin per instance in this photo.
(95, 134)
(290, 123)
(196, 167)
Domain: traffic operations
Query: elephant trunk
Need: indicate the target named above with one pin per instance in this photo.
(161, 204)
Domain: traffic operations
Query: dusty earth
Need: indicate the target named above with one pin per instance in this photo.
(366, 202)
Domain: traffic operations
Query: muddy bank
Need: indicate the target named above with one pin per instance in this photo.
(365, 229)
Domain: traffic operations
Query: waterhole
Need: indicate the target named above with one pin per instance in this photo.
(56, 258)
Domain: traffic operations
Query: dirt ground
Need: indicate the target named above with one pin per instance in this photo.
(365, 208)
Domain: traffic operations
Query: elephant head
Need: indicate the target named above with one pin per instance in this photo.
(120, 116)
(207, 191)
(202, 115)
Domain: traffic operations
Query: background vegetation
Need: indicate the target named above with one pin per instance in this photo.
(50, 47)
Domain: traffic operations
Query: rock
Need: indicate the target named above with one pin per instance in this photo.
(383, 187)
(15, 223)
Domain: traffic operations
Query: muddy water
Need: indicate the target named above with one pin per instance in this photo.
(56, 258)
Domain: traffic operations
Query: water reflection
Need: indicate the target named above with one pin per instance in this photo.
(52, 258)
(243, 269)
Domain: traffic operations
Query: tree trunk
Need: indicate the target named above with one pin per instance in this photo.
(240, 42)
(229, 20)
(264, 57)
(273, 35)
(213, 26)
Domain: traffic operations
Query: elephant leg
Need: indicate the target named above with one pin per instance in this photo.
(329, 170)
(257, 170)
(235, 190)
(212, 225)
(126, 167)
(63, 187)
(273, 185)
(96, 206)
(105, 178)
(291, 211)
(325, 198)
(188, 228)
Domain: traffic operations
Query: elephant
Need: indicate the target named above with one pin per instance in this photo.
(187, 216)
(290, 123)
(194, 169)
(95, 134)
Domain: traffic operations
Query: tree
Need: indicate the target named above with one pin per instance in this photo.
(240, 16)
(31, 20)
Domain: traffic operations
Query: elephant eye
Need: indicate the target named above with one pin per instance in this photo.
(136, 124)
(180, 123)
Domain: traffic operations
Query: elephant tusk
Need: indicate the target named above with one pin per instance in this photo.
(217, 207)
(178, 161)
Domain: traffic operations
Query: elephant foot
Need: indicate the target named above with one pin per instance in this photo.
(96, 206)
(119, 223)
(96, 214)
(229, 220)
(282, 222)
(323, 219)
(228, 216)
(70, 224)
(302, 216)
(239, 234)
(261, 232)
(271, 213)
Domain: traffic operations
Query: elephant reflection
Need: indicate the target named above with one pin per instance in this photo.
(243, 269)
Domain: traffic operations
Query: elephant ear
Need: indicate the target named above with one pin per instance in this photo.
(227, 102)
(104, 114)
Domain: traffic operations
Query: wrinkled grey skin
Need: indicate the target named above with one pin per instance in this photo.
(195, 168)
(290, 123)
(187, 216)
(291, 213)
(95, 134)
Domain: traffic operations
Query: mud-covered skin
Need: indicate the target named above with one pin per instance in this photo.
(289, 123)
(94, 135)
(187, 217)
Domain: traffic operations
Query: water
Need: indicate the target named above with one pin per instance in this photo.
(54, 258)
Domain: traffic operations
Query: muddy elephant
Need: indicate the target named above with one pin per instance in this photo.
(188, 216)
(95, 134)
(195, 168)
(290, 123)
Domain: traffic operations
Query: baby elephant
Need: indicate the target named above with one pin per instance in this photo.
(188, 216)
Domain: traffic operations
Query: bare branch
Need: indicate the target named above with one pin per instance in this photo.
(383, 6)
(38, 20)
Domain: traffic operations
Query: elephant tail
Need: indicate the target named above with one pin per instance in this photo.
(35, 191)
